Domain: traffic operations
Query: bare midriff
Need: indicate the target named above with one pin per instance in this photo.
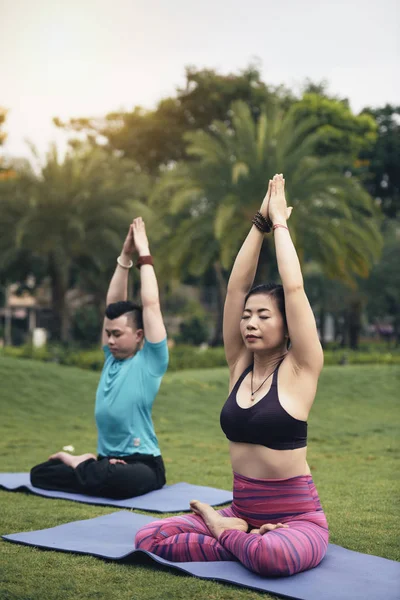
(259, 462)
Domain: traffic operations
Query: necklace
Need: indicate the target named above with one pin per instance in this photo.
(260, 386)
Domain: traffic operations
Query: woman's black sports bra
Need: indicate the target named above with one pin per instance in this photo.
(266, 423)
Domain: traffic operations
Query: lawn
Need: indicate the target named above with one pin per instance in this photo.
(353, 454)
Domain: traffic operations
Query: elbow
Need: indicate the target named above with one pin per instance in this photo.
(322, 359)
(293, 287)
(112, 299)
(150, 302)
(317, 361)
(236, 288)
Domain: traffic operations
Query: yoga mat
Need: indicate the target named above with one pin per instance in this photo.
(170, 498)
(342, 575)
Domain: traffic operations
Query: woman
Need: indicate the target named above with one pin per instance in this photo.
(129, 461)
(276, 525)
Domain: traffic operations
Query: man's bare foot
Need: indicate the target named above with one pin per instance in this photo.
(69, 460)
(215, 522)
(65, 457)
(268, 527)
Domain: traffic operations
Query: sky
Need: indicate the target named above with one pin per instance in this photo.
(80, 58)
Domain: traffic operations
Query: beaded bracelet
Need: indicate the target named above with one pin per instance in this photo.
(262, 224)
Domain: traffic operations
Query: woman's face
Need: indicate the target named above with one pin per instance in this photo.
(262, 325)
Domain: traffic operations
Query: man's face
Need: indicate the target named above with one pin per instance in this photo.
(123, 338)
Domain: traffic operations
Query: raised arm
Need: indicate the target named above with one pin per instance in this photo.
(240, 282)
(118, 288)
(154, 328)
(306, 352)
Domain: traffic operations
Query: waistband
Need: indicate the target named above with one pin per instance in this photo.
(134, 456)
(148, 459)
(261, 501)
(298, 479)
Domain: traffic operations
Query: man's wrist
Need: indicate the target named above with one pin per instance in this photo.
(125, 257)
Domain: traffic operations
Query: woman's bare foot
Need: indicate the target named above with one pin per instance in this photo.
(268, 527)
(215, 522)
(69, 460)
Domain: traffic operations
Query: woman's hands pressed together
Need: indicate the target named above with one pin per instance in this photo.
(278, 211)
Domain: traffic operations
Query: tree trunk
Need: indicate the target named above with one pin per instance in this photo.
(217, 339)
(344, 329)
(354, 322)
(59, 288)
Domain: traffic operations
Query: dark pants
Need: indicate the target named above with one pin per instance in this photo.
(143, 473)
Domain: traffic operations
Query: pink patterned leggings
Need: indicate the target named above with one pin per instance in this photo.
(280, 552)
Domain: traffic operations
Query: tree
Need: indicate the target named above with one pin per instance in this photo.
(209, 201)
(155, 138)
(3, 135)
(72, 214)
(6, 172)
(383, 285)
(15, 263)
(379, 164)
(340, 131)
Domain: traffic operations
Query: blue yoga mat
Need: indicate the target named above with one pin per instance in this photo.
(342, 575)
(171, 498)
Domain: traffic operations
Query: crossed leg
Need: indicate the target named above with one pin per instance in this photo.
(84, 474)
(186, 538)
(70, 460)
(279, 549)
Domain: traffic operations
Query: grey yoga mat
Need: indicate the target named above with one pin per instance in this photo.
(170, 498)
(342, 575)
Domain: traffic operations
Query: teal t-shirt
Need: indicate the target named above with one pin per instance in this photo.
(124, 401)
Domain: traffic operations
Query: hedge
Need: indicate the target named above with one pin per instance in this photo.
(186, 357)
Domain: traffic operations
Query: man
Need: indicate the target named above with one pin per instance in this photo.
(134, 340)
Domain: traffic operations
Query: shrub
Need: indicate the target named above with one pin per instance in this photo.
(184, 357)
(190, 357)
(193, 331)
(85, 326)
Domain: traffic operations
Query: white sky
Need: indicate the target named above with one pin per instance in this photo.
(76, 58)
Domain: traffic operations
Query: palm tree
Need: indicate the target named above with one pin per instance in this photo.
(73, 212)
(210, 199)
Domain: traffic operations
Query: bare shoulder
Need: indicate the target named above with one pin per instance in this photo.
(297, 387)
(235, 370)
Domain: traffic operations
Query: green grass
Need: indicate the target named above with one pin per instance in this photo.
(353, 453)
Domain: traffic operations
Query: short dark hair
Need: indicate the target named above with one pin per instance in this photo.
(133, 311)
(271, 289)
